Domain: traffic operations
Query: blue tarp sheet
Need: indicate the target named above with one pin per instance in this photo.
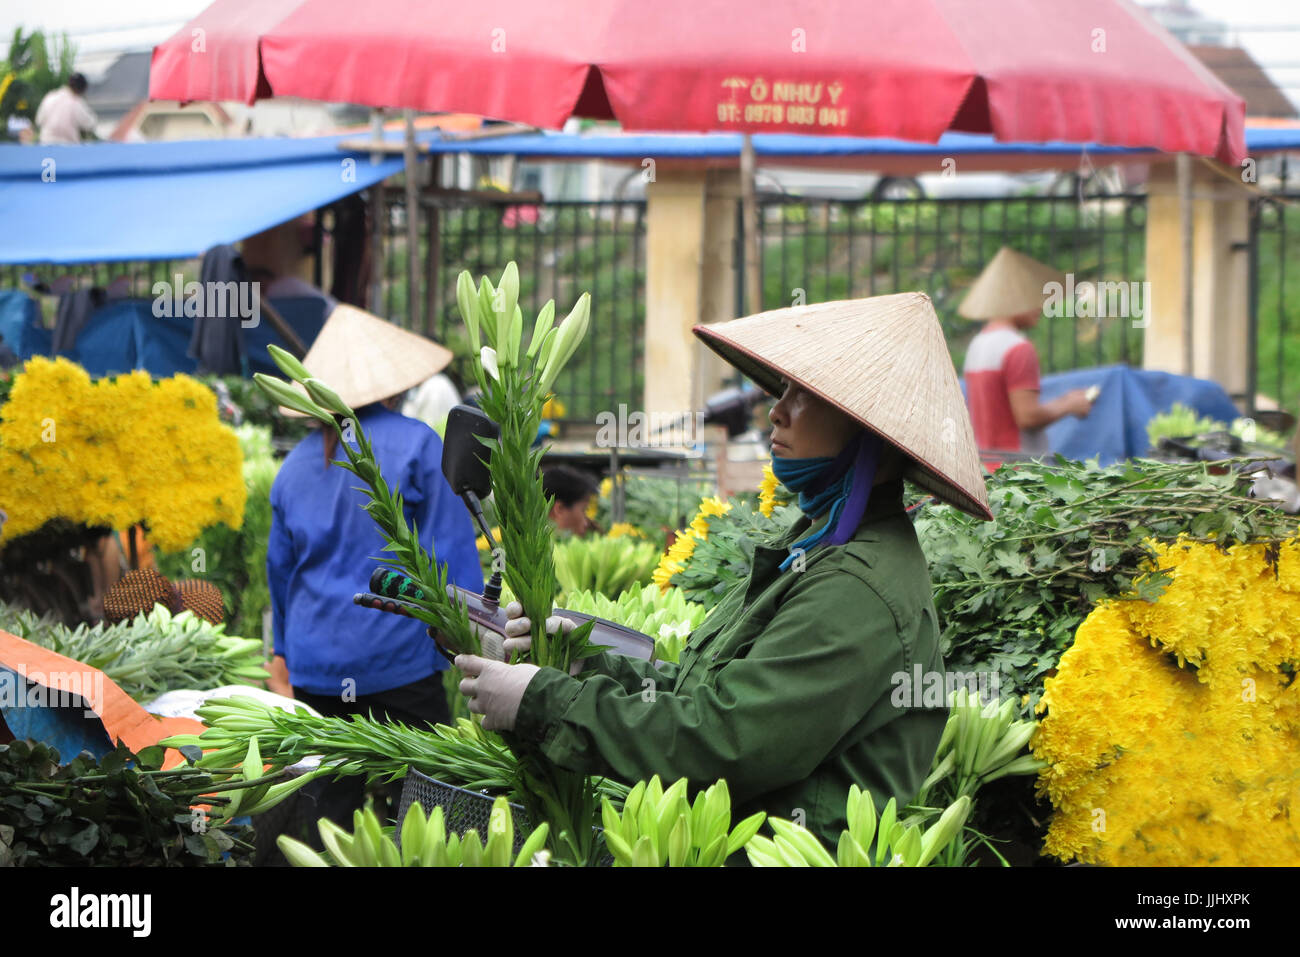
(1129, 399)
(772, 146)
(66, 723)
(105, 202)
(111, 202)
(20, 324)
(126, 335)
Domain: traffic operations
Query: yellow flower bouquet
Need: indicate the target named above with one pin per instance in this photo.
(1173, 726)
(116, 452)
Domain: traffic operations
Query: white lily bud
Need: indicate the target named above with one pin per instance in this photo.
(488, 358)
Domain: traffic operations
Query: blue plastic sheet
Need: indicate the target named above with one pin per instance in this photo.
(125, 335)
(109, 202)
(20, 324)
(70, 728)
(1130, 398)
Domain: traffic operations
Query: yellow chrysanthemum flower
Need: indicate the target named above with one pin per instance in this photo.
(1172, 726)
(714, 506)
(117, 452)
(671, 563)
(619, 529)
(769, 492)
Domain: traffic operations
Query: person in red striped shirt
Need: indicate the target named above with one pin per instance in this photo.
(1001, 370)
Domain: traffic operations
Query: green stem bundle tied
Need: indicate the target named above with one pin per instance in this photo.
(514, 388)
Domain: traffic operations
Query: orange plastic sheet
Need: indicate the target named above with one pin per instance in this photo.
(122, 717)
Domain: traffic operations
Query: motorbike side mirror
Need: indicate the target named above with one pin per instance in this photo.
(464, 458)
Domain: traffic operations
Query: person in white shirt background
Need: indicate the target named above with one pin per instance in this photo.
(63, 115)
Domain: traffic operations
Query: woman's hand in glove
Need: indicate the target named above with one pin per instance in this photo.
(519, 632)
(519, 629)
(494, 689)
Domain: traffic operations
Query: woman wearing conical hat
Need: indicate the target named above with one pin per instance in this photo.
(1001, 370)
(804, 679)
(331, 654)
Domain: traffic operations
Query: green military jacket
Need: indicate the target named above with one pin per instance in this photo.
(789, 690)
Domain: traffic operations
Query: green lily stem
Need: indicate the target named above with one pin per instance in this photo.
(237, 785)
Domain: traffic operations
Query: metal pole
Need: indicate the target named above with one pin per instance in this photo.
(377, 214)
(753, 285)
(412, 226)
(1184, 170)
(433, 255)
(1252, 309)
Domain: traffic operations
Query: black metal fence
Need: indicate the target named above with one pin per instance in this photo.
(138, 277)
(822, 250)
(1273, 250)
(562, 249)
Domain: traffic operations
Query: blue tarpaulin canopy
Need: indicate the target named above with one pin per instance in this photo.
(104, 202)
(794, 147)
(112, 202)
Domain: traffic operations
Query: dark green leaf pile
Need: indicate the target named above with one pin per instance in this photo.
(122, 811)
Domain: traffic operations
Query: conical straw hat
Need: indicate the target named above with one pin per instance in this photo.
(364, 358)
(1010, 284)
(883, 361)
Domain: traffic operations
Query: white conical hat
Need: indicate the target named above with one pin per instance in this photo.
(1010, 284)
(883, 361)
(364, 358)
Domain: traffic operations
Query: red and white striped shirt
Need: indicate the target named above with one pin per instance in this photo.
(1001, 361)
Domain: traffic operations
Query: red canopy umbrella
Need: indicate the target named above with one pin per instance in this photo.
(1024, 70)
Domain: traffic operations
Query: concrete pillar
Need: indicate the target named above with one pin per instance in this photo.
(690, 244)
(1220, 221)
(718, 278)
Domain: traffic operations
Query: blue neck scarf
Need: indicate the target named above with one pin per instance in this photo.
(839, 486)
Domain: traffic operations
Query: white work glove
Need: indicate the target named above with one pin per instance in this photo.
(494, 689)
(519, 632)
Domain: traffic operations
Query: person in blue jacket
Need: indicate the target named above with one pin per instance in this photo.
(333, 655)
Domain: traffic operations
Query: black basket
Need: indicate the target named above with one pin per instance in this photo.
(462, 810)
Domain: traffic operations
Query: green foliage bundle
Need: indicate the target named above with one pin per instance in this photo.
(609, 566)
(36, 64)
(667, 617)
(425, 842)
(1010, 593)
(462, 754)
(725, 557)
(153, 653)
(235, 559)
(654, 505)
(1181, 422)
(121, 811)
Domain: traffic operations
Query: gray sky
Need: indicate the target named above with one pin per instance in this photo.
(104, 28)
